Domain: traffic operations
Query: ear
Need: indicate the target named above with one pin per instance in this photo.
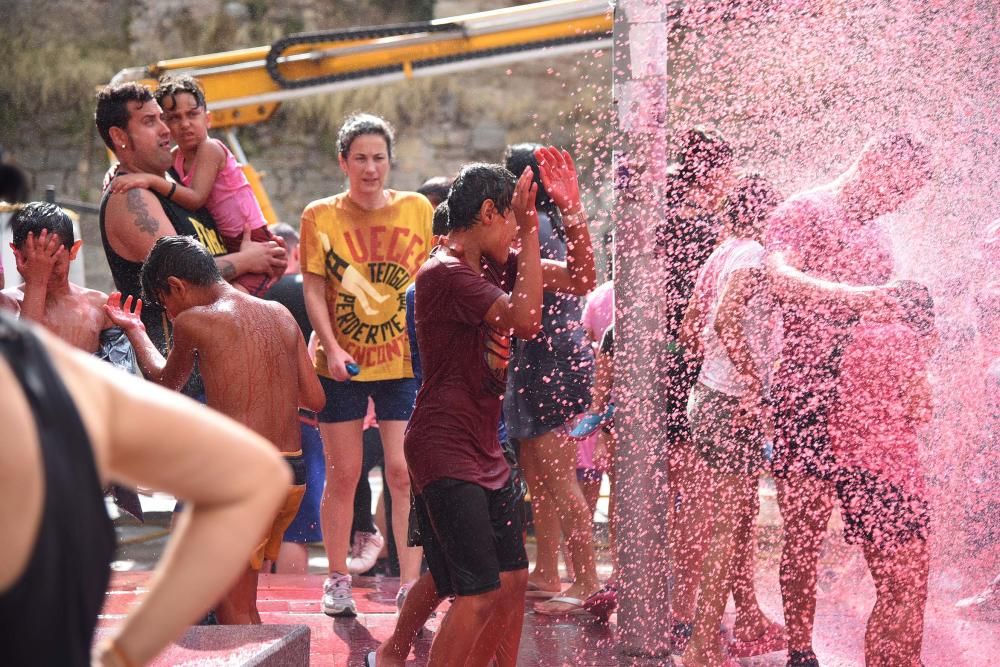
(208, 118)
(486, 211)
(119, 137)
(342, 162)
(75, 248)
(176, 285)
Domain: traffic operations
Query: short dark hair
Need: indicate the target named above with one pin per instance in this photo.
(181, 257)
(749, 203)
(435, 189)
(37, 216)
(287, 234)
(364, 123)
(171, 85)
(476, 183)
(112, 107)
(703, 149)
(519, 156)
(439, 224)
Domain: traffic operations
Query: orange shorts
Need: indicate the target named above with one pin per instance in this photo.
(269, 548)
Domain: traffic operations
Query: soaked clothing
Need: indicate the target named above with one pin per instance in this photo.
(49, 613)
(828, 244)
(471, 534)
(727, 441)
(269, 548)
(453, 431)
(878, 512)
(550, 375)
(125, 273)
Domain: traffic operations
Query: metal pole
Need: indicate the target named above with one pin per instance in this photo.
(640, 90)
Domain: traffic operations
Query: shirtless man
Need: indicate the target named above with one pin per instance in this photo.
(44, 246)
(243, 345)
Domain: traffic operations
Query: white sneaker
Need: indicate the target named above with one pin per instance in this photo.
(364, 551)
(337, 599)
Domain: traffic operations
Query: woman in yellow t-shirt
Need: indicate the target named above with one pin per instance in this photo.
(360, 250)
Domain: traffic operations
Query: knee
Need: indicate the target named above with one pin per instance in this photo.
(398, 478)
(482, 605)
(516, 581)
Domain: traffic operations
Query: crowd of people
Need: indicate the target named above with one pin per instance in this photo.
(458, 337)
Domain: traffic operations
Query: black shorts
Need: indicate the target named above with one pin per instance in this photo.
(471, 534)
(878, 512)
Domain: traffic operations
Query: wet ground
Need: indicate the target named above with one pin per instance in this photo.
(846, 596)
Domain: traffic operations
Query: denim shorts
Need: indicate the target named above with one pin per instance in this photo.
(348, 401)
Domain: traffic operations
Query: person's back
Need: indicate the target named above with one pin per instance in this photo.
(244, 347)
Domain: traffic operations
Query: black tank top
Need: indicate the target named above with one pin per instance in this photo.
(48, 616)
(126, 273)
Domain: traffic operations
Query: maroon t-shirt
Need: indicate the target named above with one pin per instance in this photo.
(453, 430)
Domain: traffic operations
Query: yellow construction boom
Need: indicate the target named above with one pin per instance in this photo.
(246, 86)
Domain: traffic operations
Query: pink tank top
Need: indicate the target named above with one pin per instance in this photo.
(231, 202)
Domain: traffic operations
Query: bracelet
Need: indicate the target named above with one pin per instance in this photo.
(173, 189)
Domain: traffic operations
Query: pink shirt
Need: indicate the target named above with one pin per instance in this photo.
(599, 311)
(232, 202)
(870, 427)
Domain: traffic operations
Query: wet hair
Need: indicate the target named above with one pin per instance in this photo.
(112, 107)
(171, 85)
(287, 234)
(435, 189)
(702, 151)
(476, 183)
(180, 257)
(37, 216)
(748, 205)
(519, 156)
(439, 224)
(915, 301)
(359, 124)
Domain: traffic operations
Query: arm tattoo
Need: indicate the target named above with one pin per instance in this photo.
(226, 268)
(143, 220)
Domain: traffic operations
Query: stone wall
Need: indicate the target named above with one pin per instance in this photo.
(441, 122)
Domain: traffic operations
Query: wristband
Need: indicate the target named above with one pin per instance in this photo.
(173, 189)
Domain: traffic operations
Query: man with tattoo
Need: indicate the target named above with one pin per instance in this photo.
(129, 121)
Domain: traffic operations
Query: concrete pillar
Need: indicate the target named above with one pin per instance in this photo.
(640, 158)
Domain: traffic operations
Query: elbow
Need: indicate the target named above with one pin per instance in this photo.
(528, 330)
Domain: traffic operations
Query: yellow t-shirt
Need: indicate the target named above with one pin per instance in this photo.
(368, 258)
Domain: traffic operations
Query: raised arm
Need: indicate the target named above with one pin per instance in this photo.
(172, 372)
(521, 312)
(577, 275)
(35, 261)
(231, 479)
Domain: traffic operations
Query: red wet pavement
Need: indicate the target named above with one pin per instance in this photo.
(576, 641)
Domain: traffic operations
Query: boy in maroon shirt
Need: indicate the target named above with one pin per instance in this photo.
(471, 295)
